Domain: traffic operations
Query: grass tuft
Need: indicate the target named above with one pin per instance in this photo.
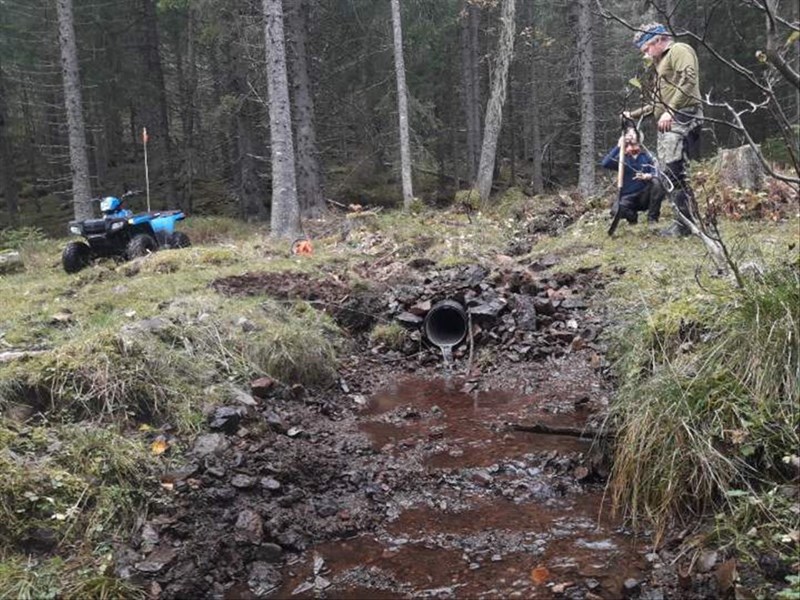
(709, 403)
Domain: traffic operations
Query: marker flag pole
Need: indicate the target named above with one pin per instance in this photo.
(146, 172)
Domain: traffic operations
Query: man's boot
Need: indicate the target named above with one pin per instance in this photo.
(681, 204)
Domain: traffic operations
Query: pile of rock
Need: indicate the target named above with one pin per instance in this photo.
(526, 312)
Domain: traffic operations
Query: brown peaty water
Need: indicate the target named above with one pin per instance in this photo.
(503, 519)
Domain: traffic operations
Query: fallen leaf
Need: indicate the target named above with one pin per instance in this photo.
(726, 577)
(539, 575)
(159, 446)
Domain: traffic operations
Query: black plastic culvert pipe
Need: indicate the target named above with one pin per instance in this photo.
(446, 324)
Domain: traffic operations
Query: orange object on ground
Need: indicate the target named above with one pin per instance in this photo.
(302, 248)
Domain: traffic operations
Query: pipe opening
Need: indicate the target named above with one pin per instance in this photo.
(446, 324)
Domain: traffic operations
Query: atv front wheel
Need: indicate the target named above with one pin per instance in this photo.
(75, 256)
(141, 245)
(179, 240)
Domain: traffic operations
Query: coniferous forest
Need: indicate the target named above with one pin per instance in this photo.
(194, 74)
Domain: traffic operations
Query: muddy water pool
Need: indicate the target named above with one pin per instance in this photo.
(501, 515)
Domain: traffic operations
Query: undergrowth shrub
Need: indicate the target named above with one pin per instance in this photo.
(210, 230)
(709, 403)
(78, 481)
(16, 238)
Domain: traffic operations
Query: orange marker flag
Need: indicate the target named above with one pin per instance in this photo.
(145, 138)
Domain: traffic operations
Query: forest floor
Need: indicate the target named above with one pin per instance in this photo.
(231, 421)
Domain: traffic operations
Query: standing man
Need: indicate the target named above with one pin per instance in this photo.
(675, 104)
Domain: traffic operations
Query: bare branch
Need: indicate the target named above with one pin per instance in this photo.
(739, 126)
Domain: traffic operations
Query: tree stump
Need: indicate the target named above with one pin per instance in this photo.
(740, 168)
(10, 262)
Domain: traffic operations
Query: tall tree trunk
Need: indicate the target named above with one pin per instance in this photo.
(155, 70)
(222, 158)
(534, 112)
(309, 168)
(79, 162)
(512, 131)
(402, 105)
(247, 177)
(9, 181)
(187, 83)
(285, 218)
(586, 71)
(476, 87)
(494, 109)
(470, 75)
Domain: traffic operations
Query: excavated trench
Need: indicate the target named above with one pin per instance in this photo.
(406, 480)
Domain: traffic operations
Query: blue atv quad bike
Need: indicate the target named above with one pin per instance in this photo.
(121, 234)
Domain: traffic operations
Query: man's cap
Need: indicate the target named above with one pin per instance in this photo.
(652, 31)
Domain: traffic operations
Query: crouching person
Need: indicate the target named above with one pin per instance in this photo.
(641, 189)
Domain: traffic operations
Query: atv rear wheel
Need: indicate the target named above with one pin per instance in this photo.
(179, 240)
(141, 245)
(75, 256)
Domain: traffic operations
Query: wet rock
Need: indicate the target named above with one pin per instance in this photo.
(482, 478)
(293, 432)
(262, 387)
(293, 540)
(574, 302)
(420, 308)
(489, 309)
(409, 319)
(525, 312)
(327, 509)
(217, 472)
(249, 527)
(243, 397)
(270, 484)
(544, 306)
(243, 482)
(293, 497)
(224, 494)
(262, 578)
(210, 443)
(580, 473)
(157, 560)
(471, 276)
(226, 418)
(275, 421)
(270, 552)
(544, 263)
(303, 588)
(631, 587)
(149, 537)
